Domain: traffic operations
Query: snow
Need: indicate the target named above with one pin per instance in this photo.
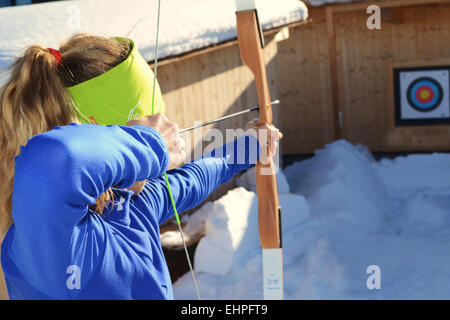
(184, 25)
(343, 214)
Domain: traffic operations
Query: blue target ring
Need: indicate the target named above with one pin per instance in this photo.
(424, 94)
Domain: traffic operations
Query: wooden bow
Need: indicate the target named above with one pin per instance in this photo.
(251, 43)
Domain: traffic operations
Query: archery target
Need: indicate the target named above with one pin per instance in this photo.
(423, 95)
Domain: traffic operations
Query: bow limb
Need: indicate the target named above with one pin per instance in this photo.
(250, 42)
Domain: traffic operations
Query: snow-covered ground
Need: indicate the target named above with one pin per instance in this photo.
(342, 212)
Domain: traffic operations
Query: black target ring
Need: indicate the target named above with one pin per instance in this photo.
(424, 83)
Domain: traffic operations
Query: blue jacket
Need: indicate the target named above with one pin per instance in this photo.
(58, 248)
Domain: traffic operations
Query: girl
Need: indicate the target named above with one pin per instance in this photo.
(81, 204)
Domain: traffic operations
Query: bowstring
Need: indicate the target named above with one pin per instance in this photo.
(174, 207)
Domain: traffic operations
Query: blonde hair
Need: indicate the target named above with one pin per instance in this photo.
(34, 100)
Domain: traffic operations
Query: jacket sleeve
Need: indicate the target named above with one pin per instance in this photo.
(57, 175)
(192, 183)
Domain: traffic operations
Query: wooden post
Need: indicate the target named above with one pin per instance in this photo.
(337, 115)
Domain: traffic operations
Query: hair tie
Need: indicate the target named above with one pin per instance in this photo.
(56, 54)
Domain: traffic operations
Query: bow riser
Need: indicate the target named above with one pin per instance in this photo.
(252, 56)
(250, 48)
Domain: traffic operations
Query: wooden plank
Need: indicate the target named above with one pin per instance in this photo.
(390, 112)
(304, 87)
(337, 115)
(392, 15)
(364, 87)
(412, 64)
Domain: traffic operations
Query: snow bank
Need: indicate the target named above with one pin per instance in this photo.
(421, 186)
(415, 172)
(184, 26)
(345, 212)
(340, 183)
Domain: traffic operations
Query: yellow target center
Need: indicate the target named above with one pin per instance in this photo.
(424, 94)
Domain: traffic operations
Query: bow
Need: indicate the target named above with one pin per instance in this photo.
(251, 43)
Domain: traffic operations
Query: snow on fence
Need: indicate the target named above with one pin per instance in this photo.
(185, 25)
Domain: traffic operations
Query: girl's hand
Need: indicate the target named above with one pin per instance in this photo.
(267, 135)
(169, 131)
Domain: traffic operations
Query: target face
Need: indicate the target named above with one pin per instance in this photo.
(422, 96)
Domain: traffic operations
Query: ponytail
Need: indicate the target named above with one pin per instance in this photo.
(35, 100)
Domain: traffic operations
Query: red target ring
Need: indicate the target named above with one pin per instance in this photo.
(424, 94)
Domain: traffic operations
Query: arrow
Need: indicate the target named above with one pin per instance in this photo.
(229, 116)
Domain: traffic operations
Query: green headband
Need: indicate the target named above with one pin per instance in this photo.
(120, 94)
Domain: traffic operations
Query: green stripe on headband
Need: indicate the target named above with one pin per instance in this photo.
(120, 94)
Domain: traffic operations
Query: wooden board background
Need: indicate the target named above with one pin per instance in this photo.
(365, 76)
(305, 88)
(417, 35)
(342, 90)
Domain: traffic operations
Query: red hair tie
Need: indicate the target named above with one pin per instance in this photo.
(56, 54)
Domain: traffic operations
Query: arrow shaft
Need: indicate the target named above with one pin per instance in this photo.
(229, 116)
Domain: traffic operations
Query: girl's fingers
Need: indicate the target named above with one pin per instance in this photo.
(267, 135)
(177, 153)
